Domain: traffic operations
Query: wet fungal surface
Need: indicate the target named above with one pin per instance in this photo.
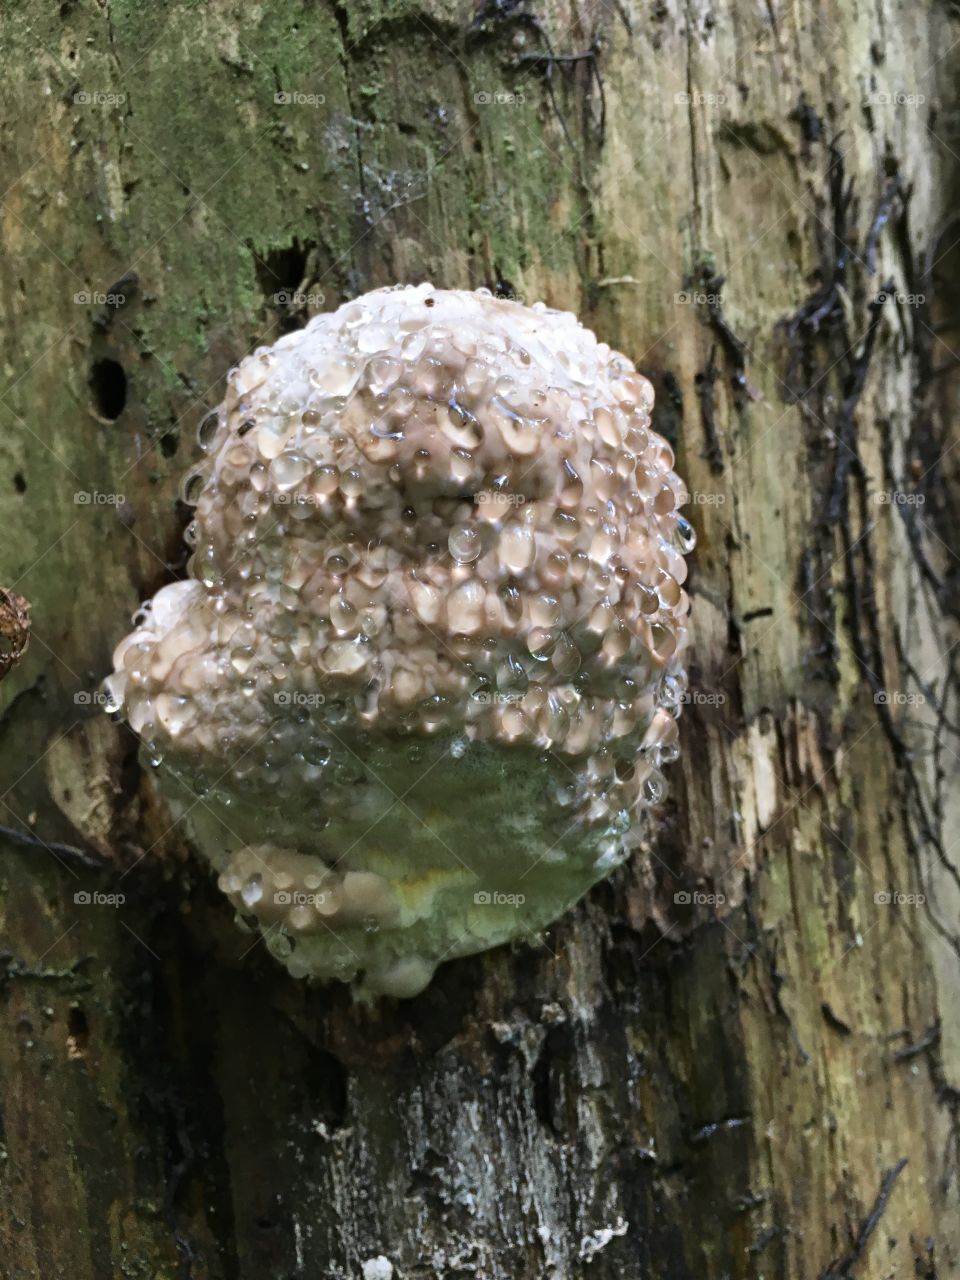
(417, 692)
(14, 629)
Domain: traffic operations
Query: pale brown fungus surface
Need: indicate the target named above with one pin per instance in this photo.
(437, 569)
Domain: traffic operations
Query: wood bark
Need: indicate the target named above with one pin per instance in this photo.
(740, 1057)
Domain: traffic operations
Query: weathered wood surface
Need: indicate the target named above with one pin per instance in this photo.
(663, 1089)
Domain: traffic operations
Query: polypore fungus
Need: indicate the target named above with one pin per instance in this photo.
(416, 693)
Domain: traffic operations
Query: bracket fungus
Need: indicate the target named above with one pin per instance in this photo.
(415, 695)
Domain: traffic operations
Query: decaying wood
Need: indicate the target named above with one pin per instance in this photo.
(740, 1057)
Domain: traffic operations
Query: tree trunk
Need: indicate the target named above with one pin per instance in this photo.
(740, 1056)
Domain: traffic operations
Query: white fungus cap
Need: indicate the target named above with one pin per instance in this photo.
(421, 681)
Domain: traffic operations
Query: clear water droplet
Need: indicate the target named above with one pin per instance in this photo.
(465, 544)
(207, 430)
(685, 536)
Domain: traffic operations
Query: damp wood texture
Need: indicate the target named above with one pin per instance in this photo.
(739, 1056)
